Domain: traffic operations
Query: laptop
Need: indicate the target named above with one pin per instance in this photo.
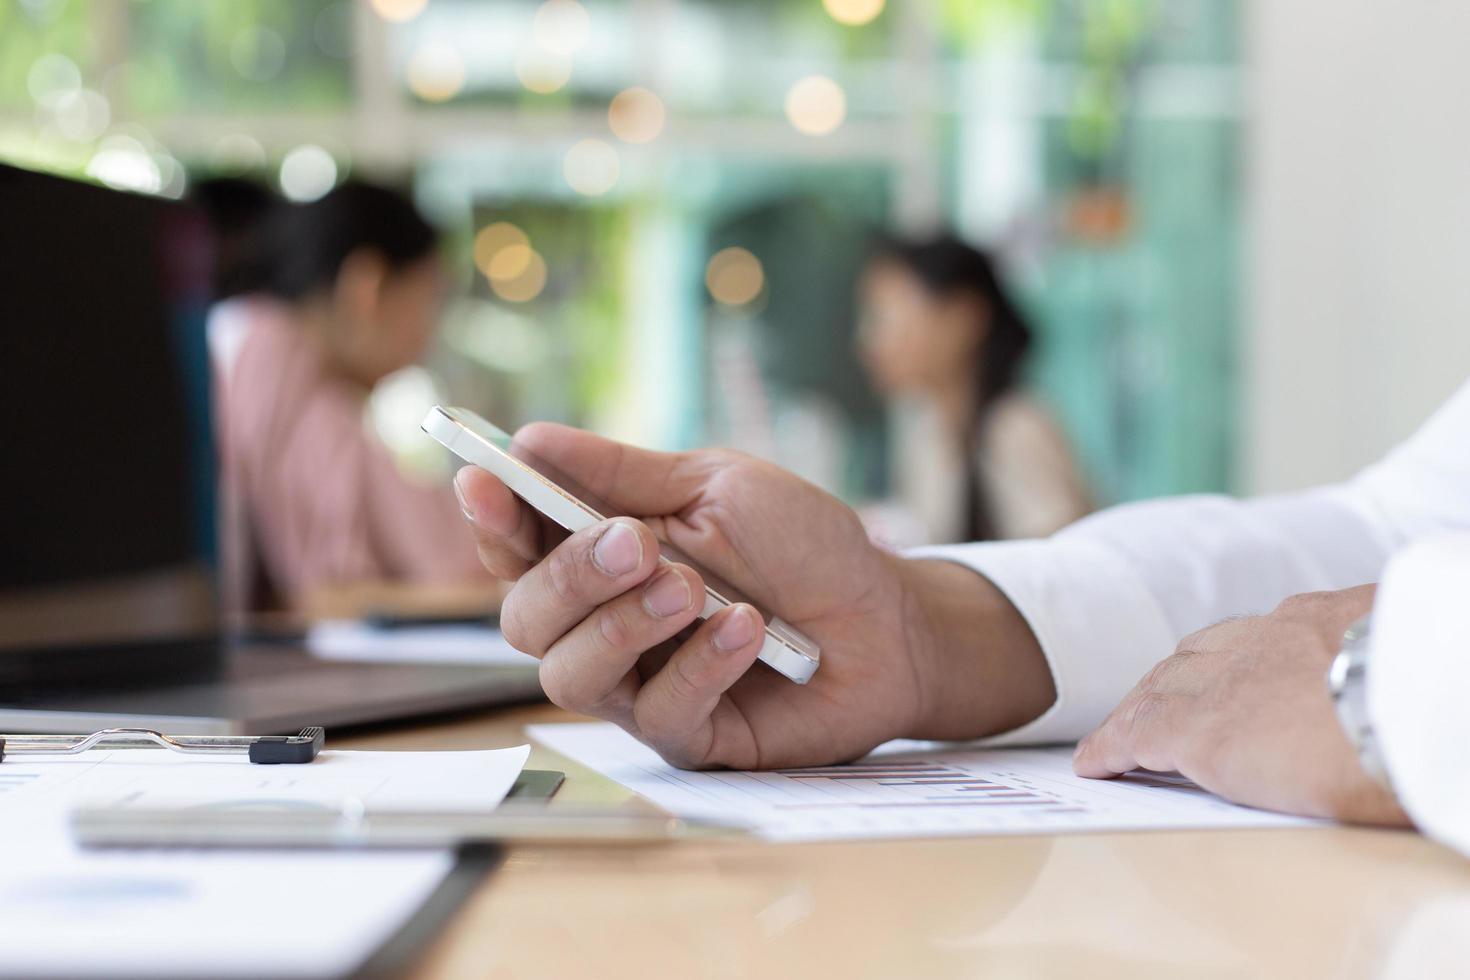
(109, 598)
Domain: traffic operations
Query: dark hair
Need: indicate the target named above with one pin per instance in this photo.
(949, 267)
(234, 207)
(298, 249)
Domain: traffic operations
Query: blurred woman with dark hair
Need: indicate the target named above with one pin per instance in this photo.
(321, 302)
(974, 457)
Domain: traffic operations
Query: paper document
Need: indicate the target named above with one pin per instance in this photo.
(908, 789)
(462, 781)
(352, 639)
(165, 913)
(64, 913)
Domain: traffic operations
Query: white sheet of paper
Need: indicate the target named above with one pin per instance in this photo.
(466, 781)
(908, 789)
(164, 913)
(351, 639)
(200, 914)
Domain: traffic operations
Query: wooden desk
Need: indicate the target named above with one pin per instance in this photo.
(1301, 904)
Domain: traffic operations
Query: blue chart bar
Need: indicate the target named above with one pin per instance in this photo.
(15, 780)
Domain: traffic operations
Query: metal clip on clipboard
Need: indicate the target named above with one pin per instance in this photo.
(262, 750)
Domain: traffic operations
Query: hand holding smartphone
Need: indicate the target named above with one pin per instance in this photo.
(551, 494)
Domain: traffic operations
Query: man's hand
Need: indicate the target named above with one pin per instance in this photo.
(1243, 709)
(909, 648)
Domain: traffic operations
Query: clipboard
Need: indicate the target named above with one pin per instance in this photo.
(401, 951)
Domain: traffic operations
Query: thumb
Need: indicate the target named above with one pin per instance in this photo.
(616, 479)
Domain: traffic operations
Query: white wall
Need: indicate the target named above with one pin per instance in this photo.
(1358, 230)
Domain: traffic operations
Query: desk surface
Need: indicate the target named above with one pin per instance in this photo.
(1298, 903)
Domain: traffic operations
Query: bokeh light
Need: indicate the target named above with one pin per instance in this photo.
(542, 71)
(82, 116)
(124, 163)
(396, 404)
(492, 238)
(561, 26)
(307, 172)
(816, 105)
(591, 167)
(636, 115)
(734, 276)
(52, 78)
(237, 153)
(853, 13)
(528, 284)
(510, 262)
(399, 11)
(436, 72)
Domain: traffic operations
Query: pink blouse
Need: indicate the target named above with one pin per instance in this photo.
(311, 498)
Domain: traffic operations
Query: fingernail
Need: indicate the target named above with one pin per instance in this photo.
(618, 551)
(464, 507)
(736, 631)
(667, 594)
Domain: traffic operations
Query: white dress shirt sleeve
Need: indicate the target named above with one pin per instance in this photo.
(1419, 684)
(1111, 595)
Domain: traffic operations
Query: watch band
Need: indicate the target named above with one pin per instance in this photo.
(1347, 679)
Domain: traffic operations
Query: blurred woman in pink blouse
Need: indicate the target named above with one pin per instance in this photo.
(321, 301)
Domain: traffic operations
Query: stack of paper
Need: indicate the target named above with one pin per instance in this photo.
(66, 912)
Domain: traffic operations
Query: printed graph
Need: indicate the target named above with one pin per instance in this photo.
(919, 784)
(908, 789)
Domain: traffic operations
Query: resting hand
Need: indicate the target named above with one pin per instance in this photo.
(904, 643)
(1243, 710)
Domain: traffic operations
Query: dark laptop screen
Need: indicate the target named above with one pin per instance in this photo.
(108, 513)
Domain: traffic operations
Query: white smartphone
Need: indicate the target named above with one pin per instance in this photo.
(541, 485)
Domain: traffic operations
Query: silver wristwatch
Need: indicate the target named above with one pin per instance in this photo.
(1347, 680)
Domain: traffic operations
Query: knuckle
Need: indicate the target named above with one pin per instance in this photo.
(1153, 678)
(650, 724)
(1169, 670)
(565, 688)
(683, 684)
(501, 564)
(1158, 675)
(554, 683)
(513, 627)
(679, 758)
(724, 458)
(1303, 602)
(728, 465)
(667, 740)
(615, 630)
(1195, 641)
(1147, 710)
(563, 568)
(669, 747)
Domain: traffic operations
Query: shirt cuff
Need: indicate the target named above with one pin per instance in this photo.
(1098, 625)
(1418, 678)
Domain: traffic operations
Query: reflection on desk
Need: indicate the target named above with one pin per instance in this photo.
(1301, 904)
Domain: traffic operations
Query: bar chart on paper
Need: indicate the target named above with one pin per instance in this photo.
(908, 789)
